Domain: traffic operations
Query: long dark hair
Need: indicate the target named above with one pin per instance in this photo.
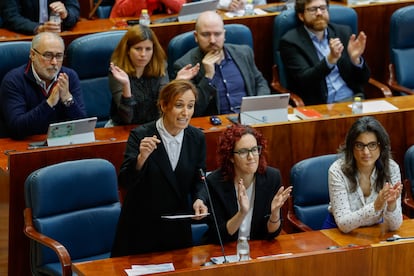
(349, 168)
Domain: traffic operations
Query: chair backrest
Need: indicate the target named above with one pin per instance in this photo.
(12, 55)
(310, 193)
(90, 56)
(402, 45)
(75, 203)
(409, 166)
(182, 43)
(288, 20)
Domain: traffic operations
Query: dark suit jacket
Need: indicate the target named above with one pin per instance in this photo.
(306, 73)
(22, 16)
(157, 190)
(224, 200)
(208, 98)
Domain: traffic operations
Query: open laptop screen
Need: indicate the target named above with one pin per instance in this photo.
(264, 109)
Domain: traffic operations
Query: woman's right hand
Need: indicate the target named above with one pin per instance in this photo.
(146, 147)
(243, 198)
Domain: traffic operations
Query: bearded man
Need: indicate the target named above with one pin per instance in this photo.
(323, 60)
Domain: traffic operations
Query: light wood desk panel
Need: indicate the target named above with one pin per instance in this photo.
(309, 256)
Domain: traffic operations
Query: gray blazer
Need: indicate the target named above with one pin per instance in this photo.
(208, 98)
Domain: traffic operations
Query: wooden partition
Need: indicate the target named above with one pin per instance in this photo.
(320, 253)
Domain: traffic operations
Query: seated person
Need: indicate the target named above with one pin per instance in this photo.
(236, 5)
(137, 74)
(227, 71)
(132, 8)
(42, 92)
(29, 17)
(365, 184)
(323, 60)
(247, 195)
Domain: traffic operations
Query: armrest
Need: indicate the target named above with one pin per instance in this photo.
(408, 197)
(57, 247)
(379, 89)
(294, 220)
(278, 88)
(392, 82)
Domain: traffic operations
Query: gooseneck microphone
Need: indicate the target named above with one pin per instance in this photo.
(203, 178)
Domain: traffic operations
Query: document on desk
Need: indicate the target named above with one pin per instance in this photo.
(183, 216)
(149, 269)
(376, 106)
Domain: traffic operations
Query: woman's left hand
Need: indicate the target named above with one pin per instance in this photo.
(188, 72)
(280, 198)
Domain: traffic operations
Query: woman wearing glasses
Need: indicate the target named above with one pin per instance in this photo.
(247, 195)
(365, 184)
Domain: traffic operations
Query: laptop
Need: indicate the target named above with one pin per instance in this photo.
(190, 11)
(72, 132)
(264, 109)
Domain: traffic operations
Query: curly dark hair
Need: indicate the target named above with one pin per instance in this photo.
(225, 148)
(349, 168)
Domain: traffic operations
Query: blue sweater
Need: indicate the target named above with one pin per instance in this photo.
(24, 105)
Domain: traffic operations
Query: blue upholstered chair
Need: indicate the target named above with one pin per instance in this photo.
(71, 215)
(408, 200)
(288, 20)
(90, 56)
(100, 8)
(310, 196)
(182, 43)
(401, 69)
(12, 55)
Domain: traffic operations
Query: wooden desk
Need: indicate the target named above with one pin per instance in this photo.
(262, 29)
(358, 253)
(289, 142)
(309, 257)
(388, 258)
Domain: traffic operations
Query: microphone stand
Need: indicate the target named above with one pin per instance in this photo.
(203, 178)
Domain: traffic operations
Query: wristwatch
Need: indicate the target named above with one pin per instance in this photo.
(69, 102)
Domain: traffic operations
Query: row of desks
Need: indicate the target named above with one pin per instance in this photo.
(288, 143)
(317, 253)
(373, 19)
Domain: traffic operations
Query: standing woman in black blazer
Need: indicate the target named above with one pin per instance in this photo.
(160, 174)
(247, 195)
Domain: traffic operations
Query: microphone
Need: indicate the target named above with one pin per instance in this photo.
(203, 178)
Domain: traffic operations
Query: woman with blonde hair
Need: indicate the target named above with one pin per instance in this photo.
(138, 71)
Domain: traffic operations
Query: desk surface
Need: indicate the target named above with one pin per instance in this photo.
(308, 254)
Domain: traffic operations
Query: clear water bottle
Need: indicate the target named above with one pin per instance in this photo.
(243, 249)
(55, 17)
(249, 8)
(144, 19)
(357, 106)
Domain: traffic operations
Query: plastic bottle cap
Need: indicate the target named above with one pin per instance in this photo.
(357, 99)
(144, 11)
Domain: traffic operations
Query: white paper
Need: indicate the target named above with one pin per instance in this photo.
(149, 269)
(184, 216)
(220, 260)
(376, 106)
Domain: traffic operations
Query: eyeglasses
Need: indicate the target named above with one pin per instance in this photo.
(313, 10)
(371, 146)
(49, 56)
(255, 151)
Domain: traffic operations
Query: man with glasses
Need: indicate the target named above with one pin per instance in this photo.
(41, 92)
(323, 60)
(227, 71)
